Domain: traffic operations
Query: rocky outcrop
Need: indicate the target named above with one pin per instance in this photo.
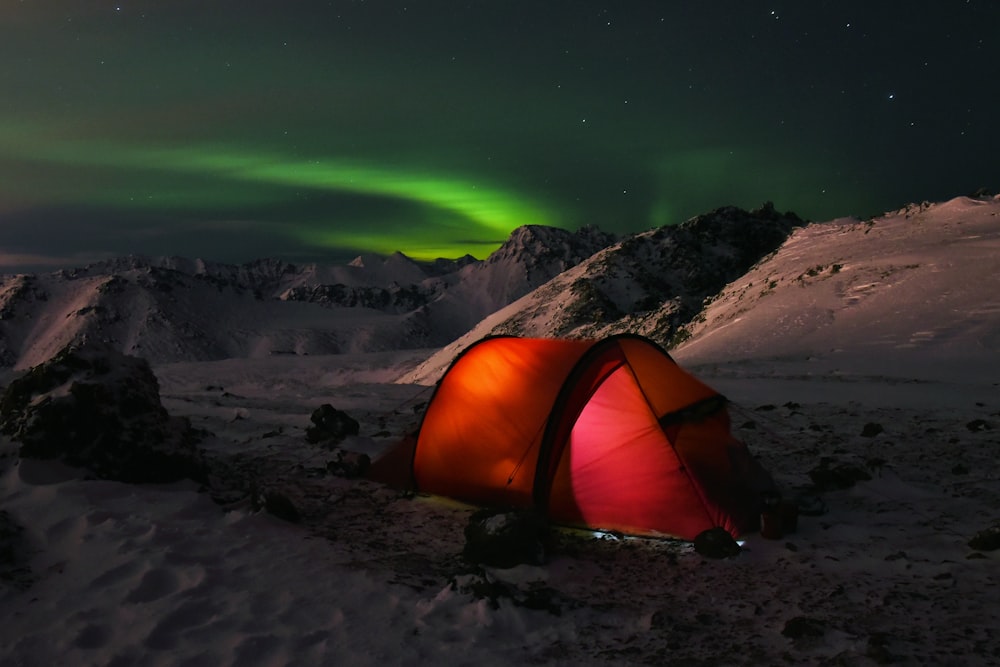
(96, 408)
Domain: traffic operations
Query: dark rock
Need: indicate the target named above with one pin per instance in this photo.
(349, 464)
(96, 408)
(810, 505)
(505, 538)
(14, 556)
(986, 540)
(977, 425)
(878, 649)
(330, 425)
(482, 586)
(281, 506)
(803, 626)
(871, 429)
(829, 476)
(716, 543)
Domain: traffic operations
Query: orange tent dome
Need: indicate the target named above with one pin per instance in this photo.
(608, 434)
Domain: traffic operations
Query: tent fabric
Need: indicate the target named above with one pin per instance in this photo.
(609, 434)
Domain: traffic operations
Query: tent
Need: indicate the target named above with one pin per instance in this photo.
(609, 434)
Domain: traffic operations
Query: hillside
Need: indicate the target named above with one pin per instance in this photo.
(921, 281)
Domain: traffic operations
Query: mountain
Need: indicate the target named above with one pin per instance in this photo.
(729, 284)
(532, 256)
(650, 283)
(175, 309)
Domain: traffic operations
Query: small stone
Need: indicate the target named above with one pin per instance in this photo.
(977, 425)
(505, 538)
(871, 429)
(716, 543)
(986, 540)
(281, 506)
(803, 626)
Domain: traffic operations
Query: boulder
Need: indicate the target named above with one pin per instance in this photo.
(96, 408)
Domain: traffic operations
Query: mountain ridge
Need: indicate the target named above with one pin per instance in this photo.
(667, 283)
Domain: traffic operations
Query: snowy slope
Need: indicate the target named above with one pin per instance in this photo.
(165, 315)
(922, 281)
(649, 283)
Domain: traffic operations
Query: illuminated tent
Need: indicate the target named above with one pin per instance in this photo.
(608, 434)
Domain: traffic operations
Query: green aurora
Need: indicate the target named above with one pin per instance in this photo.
(324, 130)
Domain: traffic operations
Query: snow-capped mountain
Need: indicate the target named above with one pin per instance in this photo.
(174, 309)
(755, 283)
(650, 283)
(532, 256)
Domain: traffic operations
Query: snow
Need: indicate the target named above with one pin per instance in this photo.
(162, 575)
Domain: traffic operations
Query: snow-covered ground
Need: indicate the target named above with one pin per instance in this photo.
(161, 575)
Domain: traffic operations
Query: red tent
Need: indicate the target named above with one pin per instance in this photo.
(608, 434)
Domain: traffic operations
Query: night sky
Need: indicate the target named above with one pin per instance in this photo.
(313, 131)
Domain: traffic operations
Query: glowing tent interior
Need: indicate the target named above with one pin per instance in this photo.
(608, 434)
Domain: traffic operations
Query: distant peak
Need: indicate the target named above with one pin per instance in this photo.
(397, 257)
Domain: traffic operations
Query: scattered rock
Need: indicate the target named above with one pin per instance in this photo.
(505, 538)
(533, 595)
(871, 429)
(330, 425)
(348, 464)
(716, 543)
(829, 476)
(280, 505)
(14, 568)
(977, 425)
(986, 540)
(810, 505)
(803, 626)
(96, 408)
(878, 649)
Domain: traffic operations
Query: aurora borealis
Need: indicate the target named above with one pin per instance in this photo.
(318, 130)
